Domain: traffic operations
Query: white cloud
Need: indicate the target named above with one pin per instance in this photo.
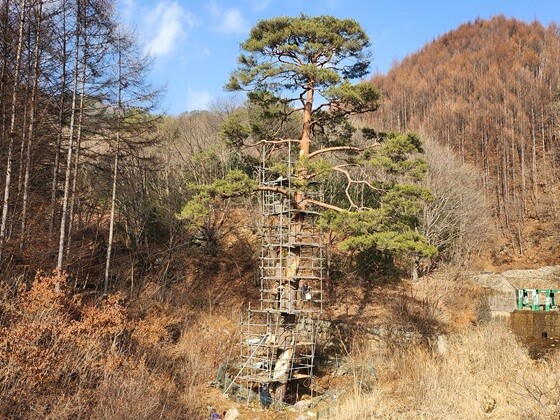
(166, 25)
(229, 21)
(260, 5)
(198, 100)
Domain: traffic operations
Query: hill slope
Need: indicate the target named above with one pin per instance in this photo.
(489, 90)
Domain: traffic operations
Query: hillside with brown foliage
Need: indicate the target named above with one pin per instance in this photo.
(486, 92)
(489, 90)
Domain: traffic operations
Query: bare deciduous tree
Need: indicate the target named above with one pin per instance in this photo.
(457, 220)
(12, 131)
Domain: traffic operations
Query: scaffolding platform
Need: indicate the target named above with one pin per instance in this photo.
(278, 338)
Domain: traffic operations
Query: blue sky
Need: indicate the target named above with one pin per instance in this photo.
(195, 43)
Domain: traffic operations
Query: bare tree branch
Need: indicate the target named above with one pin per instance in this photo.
(324, 205)
(335, 149)
(351, 181)
(279, 141)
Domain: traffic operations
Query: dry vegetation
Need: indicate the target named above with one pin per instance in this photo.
(402, 350)
(465, 366)
(63, 357)
(488, 90)
(408, 350)
(482, 372)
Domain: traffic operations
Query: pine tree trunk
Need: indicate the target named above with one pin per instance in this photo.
(280, 391)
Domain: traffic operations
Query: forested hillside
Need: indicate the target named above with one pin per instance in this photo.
(130, 240)
(76, 121)
(490, 91)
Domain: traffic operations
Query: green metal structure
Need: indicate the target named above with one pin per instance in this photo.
(537, 299)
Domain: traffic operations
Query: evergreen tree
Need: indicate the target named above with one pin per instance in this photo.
(299, 74)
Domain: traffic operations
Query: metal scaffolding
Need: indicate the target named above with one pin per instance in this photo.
(278, 339)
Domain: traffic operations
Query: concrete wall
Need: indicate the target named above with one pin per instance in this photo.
(499, 301)
(533, 324)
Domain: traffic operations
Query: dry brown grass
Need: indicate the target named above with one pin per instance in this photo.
(61, 358)
(64, 358)
(484, 373)
(453, 299)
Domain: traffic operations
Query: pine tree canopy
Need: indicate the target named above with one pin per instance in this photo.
(300, 77)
